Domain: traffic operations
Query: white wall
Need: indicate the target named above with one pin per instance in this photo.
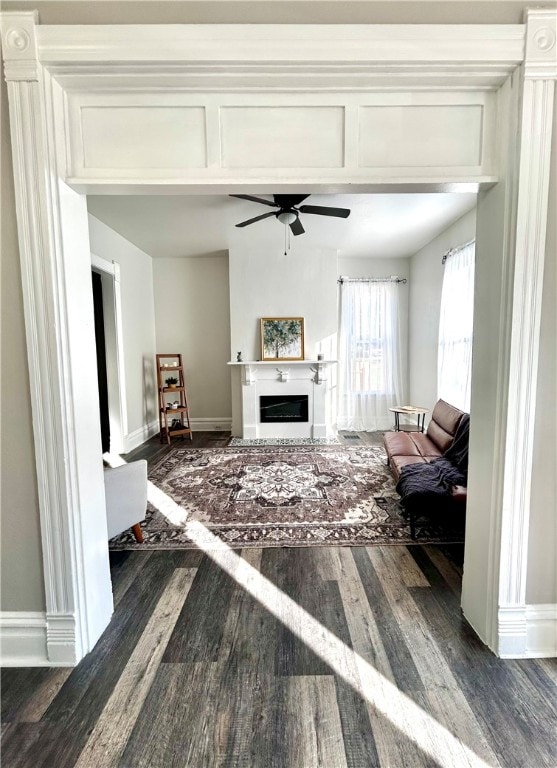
(193, 317)
(541, 581)
(426, 279)
(359, 267)
(266, 283)
(138, 327)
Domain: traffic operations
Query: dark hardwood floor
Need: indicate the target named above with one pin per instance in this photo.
(194, 671)
(153, 449)
(283, 658)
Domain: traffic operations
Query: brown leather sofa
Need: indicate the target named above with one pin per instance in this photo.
(416, 447)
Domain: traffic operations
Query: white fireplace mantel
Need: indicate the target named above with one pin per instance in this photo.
(287, 377)
(318, 368)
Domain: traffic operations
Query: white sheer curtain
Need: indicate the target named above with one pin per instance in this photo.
(370, 377)
(454, 362)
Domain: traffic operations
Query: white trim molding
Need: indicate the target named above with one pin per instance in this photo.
(530, 244)
(212, 424)
(23, 639)
(71, 493)
(33, 639)
(322, 55)
(139, 436)
(541, 630)
(528, 631)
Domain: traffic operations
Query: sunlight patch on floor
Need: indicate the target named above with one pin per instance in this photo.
(412, 721)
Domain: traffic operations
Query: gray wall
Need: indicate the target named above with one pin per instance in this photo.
(192, 311)
(541, 580)
(138, 321)
(21, 569)
(426, 279)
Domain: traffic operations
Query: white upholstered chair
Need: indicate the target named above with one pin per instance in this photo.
(126, 498)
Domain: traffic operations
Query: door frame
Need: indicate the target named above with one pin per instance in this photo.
(114, 340)
(42, 64)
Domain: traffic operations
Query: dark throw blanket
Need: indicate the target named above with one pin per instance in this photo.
(431, 483)
(458, 452)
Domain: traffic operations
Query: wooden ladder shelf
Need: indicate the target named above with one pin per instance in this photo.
(175, 411)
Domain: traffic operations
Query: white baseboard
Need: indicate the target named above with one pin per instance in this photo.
(528, 631)
(214, 424)
(27, 639)
(61, 640)
(23, 639)
(541, 630)
(139, 436)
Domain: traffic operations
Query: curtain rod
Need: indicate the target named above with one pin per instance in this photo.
(452, 251)
(393, 279)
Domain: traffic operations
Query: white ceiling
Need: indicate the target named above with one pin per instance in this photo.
(379, 226)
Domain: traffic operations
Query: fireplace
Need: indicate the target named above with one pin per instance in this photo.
(282, 409)
(294, 402)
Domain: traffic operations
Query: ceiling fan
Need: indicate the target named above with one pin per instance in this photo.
(289, 210)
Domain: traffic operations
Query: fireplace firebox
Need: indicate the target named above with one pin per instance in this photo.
(283, 409)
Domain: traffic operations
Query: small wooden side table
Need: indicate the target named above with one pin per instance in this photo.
(409, 410)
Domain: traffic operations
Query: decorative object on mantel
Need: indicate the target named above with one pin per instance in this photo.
(280, 496)
(238, 357)
(282, 338)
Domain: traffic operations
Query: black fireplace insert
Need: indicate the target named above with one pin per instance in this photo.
(283, 408)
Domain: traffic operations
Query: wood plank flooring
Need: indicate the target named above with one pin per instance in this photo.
(152, 450)
(371, 664)
(194, 672)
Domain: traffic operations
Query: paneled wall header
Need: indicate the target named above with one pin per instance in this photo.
(212, 137)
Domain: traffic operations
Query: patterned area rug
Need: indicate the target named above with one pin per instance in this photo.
(280, 496)
(237, 442)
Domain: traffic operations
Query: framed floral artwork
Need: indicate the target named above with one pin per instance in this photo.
(282, 338)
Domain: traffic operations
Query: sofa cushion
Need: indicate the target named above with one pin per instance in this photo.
(400, 444)
(443, 425)
(425, 445)
(398, 462)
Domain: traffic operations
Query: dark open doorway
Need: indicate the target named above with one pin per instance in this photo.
(101, 360)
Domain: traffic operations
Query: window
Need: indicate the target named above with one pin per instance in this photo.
(369, 356)
(454, 362)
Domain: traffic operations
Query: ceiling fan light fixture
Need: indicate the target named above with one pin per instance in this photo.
(287, 217)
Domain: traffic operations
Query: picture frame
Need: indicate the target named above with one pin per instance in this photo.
(282, 338)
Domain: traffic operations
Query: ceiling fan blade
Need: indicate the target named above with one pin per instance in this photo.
(255, 200)
(321, 210)
(257, 218)
(289, 201)
(296, 227)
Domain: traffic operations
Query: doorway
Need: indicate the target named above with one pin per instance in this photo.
(109, 344)
(100, 347)
(435, 134)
